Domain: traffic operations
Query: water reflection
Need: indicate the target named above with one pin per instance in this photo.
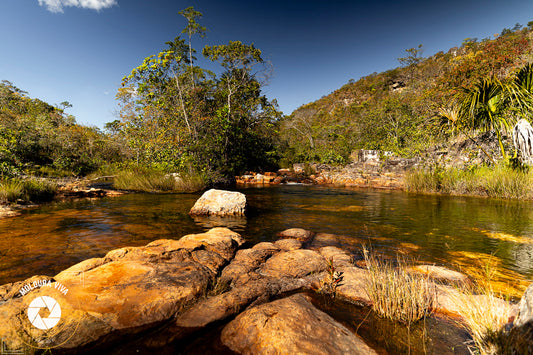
(458, 231)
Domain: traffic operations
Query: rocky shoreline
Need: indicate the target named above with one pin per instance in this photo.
(368, 169)
(178, 288)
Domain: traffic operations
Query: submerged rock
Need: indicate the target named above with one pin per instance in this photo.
(290, 326)
(220, 203)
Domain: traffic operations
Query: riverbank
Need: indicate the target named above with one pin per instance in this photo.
(60, 190)
(171, 292)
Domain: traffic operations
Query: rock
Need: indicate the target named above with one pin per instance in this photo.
(220, 203)
(290, 326)
(294, 263)
(353, 285)
(525, 308)
(127, 291)
(288, 244)
(299, 234)
(339, 257)
(440, 273)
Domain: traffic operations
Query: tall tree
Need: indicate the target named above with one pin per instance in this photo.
(192, 28)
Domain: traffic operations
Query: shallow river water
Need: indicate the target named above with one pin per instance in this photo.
(460, 232)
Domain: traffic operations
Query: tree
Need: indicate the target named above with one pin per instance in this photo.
(192, 28)
(484, 106)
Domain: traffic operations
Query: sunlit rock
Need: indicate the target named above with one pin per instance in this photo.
(290, 326)
(220, 203)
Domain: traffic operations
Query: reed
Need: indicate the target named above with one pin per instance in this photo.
(395, 292)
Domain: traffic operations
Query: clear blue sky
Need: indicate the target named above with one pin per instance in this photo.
(79, 50)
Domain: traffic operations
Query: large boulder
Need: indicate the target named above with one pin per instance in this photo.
(220, 203)
(290, 326)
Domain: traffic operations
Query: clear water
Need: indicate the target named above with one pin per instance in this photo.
(459, 232)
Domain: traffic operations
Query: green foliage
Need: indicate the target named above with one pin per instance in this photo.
(183, 116)
(34, 133)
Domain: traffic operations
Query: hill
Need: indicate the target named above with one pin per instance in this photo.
(398, 110)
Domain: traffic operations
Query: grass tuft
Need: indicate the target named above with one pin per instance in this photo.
(395, 292)
(155, 180)
(32, 190)
(500, 182)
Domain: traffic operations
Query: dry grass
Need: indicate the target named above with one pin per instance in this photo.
(484, 314)
(395, 292)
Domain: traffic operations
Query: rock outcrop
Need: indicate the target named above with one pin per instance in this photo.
(198, 281)
(290, 326)
(220, 203)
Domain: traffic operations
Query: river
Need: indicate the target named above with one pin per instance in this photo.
(464, 233)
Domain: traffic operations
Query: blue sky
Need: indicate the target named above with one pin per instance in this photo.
(79, 50)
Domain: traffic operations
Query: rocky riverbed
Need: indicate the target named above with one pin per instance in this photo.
(174, 290)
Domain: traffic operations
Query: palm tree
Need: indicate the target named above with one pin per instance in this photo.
(453, 114)
(484, 106)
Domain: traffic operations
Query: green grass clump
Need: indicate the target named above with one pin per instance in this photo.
(10, 190)
(154, 180)
(32, 190)
(499, 182)
(396, 293)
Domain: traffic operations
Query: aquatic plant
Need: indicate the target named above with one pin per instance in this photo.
(395, 292)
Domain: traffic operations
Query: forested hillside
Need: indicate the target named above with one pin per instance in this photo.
(406, 110)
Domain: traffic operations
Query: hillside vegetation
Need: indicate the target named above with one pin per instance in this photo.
(40, 139)
(407, 109)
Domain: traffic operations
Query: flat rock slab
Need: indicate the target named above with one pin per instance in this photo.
(220, 203)
(290, 326)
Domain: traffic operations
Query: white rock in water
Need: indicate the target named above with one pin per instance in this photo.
(220, 203)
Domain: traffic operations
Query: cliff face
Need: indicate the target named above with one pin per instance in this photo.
(398, 110)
